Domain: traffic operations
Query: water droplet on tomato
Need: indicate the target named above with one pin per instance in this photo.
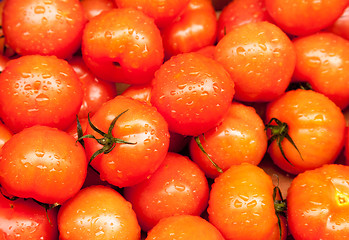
(241, 51)
(108, 35)
(39, 9)
(39, 153)
(42, 98)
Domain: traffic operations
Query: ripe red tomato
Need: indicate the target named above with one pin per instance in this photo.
(323, 61)
(163, 12)
(239, 12)
(96, 92)
(313, 122)
(26, 220)
(192, 30)
(93, 8)
(184, 227)
(143, 127)
(241, 203)
(42, 163)
(239, 138)
(122, 45)
(41, 90)
(178, 187)
(192, 92)
(260, 59)
(318, 203)
(98, 213)
(43, 27)
(303, 17)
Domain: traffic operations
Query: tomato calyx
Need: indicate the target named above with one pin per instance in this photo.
(278, 133)
(108, 140)
(280, 206)
(198, 142)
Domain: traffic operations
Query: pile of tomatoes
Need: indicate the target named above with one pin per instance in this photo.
(177, 119)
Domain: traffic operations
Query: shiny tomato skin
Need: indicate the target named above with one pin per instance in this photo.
(43, 27)
(26, 220)
(240, 203)
(184, 227)
(96, 91)
(49, 166)
(93, 8)
(163, 12)
(239, 12)
(314, 121)
(303, 17)
(318, 203)
(122, 45)
(192, 30)
(142, 125)
(99, 213)
(40, 90)
(192, 92)
(260, 59)
(177, 187)
(323, 61)
(240, 137)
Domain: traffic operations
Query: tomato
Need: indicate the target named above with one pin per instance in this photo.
(5, 134)
(303, 17)
(98, 213)
(163, 12)
(241, 203)
(177, 187)
(42, 163)
(192, 92)
(129, 51)
(142, 127)
(26, 220)
(239, 138)
(96, 92)
(318, 203)
(313, 122)
(43, 27)
(323, 61)
(261, 63)
(185, 227)
(239, 12)
(41, 90)
(194, 29)
(93, 8)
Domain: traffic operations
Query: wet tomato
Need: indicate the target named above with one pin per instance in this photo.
(144, 130)
(37, 89)
(42, 163)
(192, 92)
(98, 213)
(318, 203)
(43, 27)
